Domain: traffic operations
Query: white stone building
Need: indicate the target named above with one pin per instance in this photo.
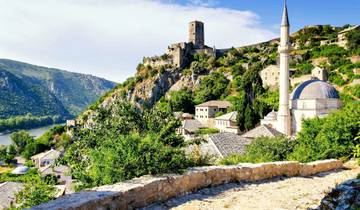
(227, 123)
(205, 112)
(45, 158)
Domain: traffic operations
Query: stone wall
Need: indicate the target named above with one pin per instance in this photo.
(140, 192)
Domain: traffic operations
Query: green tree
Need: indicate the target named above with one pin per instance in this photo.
(35, 192)
(211, 87)
(20, 139)
(182, 101)
(264, 149)
(353, 40)
(124, 143)
(249, 118)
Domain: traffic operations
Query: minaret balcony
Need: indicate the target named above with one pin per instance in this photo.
(285, 49)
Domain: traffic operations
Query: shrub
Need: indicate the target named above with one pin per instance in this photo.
(182, 101)
(263, 149)
(353, 38)
(336, 79)
(303, 68)
(205, 131)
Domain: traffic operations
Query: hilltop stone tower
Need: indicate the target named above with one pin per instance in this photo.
(284, 117)
(196, 34)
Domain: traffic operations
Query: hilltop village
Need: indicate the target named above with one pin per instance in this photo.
(312, 97)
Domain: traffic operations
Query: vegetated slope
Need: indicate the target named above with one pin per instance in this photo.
(20, 97)
(73, 91)
(234, 75)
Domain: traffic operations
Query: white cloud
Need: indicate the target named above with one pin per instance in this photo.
(108, 38)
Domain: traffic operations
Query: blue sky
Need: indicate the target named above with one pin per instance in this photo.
(302, 12)
(108, 38)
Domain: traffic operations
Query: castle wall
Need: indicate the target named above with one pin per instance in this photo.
(143, 191)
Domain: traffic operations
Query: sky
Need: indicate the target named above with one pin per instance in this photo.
(108, 38)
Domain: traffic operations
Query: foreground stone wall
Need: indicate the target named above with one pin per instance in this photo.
(140, 192)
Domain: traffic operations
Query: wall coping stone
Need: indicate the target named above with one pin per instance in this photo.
(145, 190)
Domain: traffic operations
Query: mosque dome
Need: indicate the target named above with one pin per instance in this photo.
(314, 89)
(20, 170)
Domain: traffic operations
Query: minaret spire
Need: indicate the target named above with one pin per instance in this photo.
(285, 17)
(284, 117)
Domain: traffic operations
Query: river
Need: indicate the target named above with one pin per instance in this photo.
(5, 138)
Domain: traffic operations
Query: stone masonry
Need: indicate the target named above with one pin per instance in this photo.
(141, 192)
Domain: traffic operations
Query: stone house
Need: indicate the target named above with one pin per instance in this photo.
(342, 39)
(270, 76)
(205, 112)
(189, 128)
(45, 158)
(227, 123)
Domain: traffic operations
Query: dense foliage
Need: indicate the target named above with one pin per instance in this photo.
(27, 121)
(126, 145)
(36, 189)
(182, 101)
(263, 149)
(212, 87)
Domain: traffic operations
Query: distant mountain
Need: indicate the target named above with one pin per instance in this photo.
(26, 88)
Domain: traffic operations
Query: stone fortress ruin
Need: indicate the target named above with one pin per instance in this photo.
(177, 54)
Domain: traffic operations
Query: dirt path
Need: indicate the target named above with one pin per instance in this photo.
(279, 193)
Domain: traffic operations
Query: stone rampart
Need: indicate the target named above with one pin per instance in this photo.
(140, 192)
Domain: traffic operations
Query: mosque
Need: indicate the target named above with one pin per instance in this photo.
(312, 98)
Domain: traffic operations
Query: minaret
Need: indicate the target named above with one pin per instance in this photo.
(283, 117)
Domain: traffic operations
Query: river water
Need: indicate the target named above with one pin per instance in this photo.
(5, 138)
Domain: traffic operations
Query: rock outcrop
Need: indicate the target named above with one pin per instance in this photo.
(344, 196)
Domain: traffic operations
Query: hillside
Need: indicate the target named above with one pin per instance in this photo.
(41, 91)
(234, 73)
